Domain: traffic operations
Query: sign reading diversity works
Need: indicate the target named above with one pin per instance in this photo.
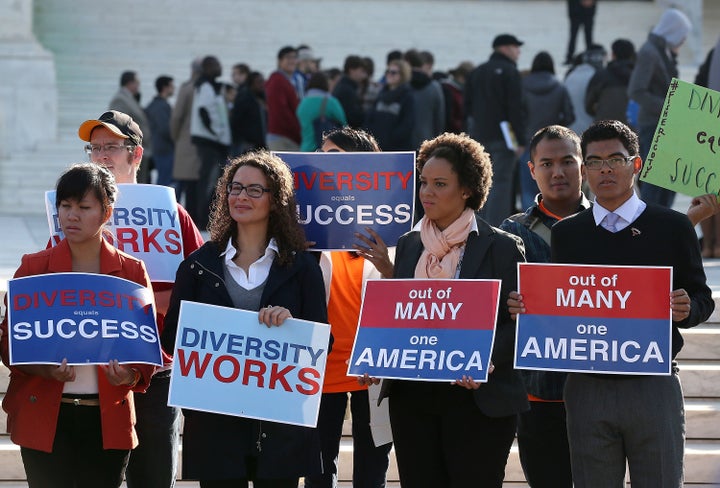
(685, 151)
(340, 194)
(84, 318)
(144, 224)
(430, 330)
(228, 363)
(594, 319)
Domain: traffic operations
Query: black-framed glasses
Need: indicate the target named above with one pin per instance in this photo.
(392, 72)
(612, 163)
(253, 191)
(111, 149)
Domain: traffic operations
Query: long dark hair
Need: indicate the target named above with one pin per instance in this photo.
(283, 223)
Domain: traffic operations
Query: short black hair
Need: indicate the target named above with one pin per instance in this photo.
(352, 140)
(162, 81)
(604, 130)
(393, 55)
(353, 62)
(285, 51)
(242, 67)
(412, 56)
(543, 61)
(318, 80)
(127, 77)
(554, 132)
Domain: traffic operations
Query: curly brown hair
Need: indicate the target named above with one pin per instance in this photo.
(283, 220)
(468, 159)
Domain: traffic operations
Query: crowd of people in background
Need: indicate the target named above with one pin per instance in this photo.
(502, 156)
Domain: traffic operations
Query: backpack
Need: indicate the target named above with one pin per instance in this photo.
(323, 124)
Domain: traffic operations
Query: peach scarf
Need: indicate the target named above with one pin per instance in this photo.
(442, 250)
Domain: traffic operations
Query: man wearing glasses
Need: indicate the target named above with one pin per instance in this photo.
(614, 418)
(115, 141)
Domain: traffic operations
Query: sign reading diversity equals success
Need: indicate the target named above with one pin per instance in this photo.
(84, 318)
(226, 362)
(685, 151)
(427, 330)
(340, 194)
(594, 319)
(144, 224)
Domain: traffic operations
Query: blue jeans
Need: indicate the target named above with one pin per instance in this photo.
(153, 464)
(370, 463)
(164, 167)
(650, 193)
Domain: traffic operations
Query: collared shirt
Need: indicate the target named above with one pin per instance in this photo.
(257, 272)
(628, 212)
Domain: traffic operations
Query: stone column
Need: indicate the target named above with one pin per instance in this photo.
(28, 91)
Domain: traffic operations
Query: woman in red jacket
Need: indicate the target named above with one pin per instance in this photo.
(75, 424)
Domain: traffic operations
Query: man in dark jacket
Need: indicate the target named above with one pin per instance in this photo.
(606, 96)
(158, 113)
(347, 91)
(493, 95)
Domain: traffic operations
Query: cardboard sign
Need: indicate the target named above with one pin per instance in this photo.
(594, 319)
(144, 224)
(228, 363)
(429, 330)
(340, 194)
(685, 151)
(84, 318)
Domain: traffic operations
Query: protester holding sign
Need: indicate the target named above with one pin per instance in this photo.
(555, 161)
(77, 422)
(445, 434)
(616, 418)
(344, 273)
(255, 261)
(115, 142)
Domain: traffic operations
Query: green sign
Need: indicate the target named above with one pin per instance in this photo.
(685, 151)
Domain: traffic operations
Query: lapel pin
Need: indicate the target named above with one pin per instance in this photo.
(635, 232)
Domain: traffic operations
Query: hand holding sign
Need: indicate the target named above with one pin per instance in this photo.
(376, 252)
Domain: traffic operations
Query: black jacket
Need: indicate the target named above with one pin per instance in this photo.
(216, 446)
(347, 93)
(493, 93)
(489, 254)
(391, 120)
(606, 97)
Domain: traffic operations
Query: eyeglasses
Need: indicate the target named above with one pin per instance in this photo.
(613, 163)
(253, 191)
(111, 149)
(392, 72)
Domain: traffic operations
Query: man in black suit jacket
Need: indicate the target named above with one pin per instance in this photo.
(612, 418)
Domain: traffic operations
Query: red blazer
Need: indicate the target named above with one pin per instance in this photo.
(33, 403)
(282, 101)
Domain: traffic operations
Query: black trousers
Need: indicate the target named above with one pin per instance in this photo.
(442, 439)
(543, 445)
(78, 459)
(213, 158)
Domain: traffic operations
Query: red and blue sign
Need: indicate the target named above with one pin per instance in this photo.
(427, 330)
(226, 362)
(84, 318)
(594, 319)
(339, 194)
(144, 224)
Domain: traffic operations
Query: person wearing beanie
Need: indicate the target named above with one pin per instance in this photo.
(655, 67)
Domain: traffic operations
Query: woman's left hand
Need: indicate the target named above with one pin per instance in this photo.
(119, 374)
(468, 381)
(376, 252)
(273, 316)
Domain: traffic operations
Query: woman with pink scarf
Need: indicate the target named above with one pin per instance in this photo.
(457, 435)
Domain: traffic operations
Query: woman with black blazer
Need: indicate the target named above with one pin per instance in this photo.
(457, 435)
(255, 260)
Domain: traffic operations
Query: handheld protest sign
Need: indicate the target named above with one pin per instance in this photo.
(427, 330)
(84, 318)
(685, 150)
(144, 224)
(595, 319)
(339, 194)
(226, 362)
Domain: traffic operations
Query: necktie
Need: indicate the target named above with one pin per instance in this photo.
(610, 222)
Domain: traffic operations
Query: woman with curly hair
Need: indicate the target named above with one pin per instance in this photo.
(255, 257)
(457, 435)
